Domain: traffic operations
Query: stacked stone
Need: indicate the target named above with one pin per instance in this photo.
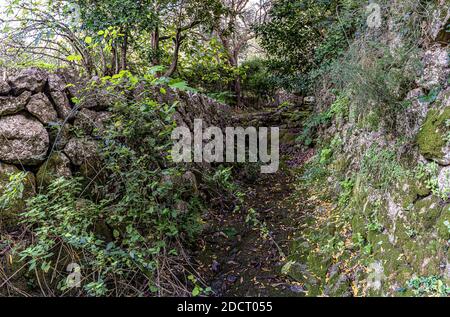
(36, 123)
(47, 136)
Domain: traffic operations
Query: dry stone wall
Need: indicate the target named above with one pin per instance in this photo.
(38, 121)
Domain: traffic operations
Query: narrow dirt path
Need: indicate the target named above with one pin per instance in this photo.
(245, 258)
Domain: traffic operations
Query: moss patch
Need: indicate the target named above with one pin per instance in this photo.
(57, 165)
(431, 138)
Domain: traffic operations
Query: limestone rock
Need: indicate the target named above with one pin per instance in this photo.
(96, 99)
(435, 71)
(80, 151)
(32, 79)
(60, 99)
(41, 108)
(11, 104)
(56, 166)
(4, 87)
(440, 23)
(24, 140)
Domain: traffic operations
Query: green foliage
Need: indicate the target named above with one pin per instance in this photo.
(374, 225)
(377, 79)
(314, 172)
(206, 67)
(338, 108)
(429, 173)
(431, 96)
(252, 219)
(258, 81)
(364, 246)
(13, 190)
(346, 192)
(376, 162)
(325, 156)
(198, 289)
(297, 28)
(304, 35)
(138, 214)
(428, 286)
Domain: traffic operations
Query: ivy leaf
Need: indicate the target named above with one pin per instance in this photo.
(196, 291)
(74, 58)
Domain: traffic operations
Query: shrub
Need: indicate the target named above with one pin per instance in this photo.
(127, 235)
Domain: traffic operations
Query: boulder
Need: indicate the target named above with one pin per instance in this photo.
(56, 166)
(32, 79)
(24, 140)
(4, 87)
(80, 151)
(42, 108)
(10, 210)
(96, 99)
(11, 104)
(283, 97)
(59, 96)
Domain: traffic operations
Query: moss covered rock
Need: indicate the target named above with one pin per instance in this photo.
(408, 189)
(56, 166)
(432, 136)
(426, 213)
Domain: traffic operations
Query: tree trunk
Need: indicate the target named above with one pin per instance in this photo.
(176, 52)
(123, 53)
(238, 91)
(237, 87)
(155, 47)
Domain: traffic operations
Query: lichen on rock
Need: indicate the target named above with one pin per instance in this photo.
(81, 151)
(42, 109)
(31, 79)
(12, 105)
(24, 140)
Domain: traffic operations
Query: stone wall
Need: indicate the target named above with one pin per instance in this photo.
(46, 135)
(402, 225)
